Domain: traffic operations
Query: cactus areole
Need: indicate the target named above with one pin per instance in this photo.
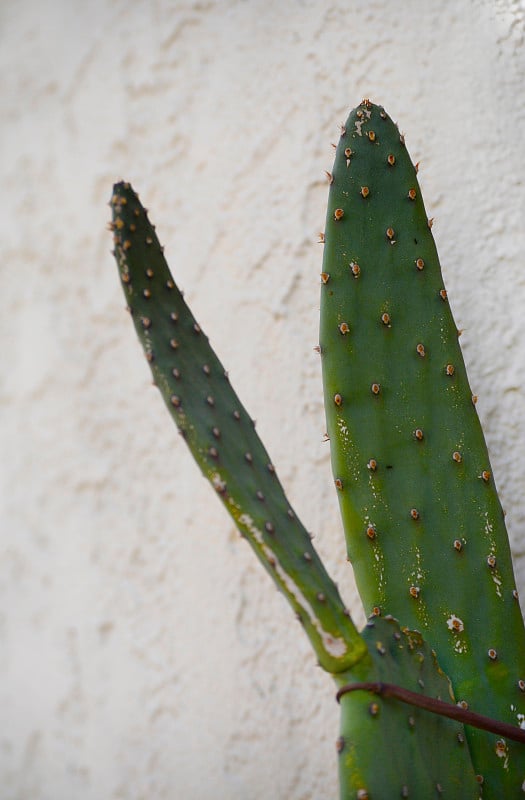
(432, 691)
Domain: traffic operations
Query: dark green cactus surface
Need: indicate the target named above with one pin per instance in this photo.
(221, 435)
(424, 528)
(391, 750)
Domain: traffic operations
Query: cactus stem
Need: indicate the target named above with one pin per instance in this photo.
(283, 545)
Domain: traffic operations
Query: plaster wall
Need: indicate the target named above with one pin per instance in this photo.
(144, 655)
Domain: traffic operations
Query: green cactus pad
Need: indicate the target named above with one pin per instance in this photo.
(388, 750)
(221, 435)
(424, 527)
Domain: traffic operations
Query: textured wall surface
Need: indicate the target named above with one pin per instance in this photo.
(144, 655)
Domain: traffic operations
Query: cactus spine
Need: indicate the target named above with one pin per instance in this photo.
(424, 528)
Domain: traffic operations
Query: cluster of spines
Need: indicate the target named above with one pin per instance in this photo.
(221, 435)
(424, 526)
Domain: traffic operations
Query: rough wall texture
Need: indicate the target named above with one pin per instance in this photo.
(143, 653)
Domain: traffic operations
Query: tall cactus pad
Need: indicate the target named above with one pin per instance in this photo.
(391, 750)
(221, 435)
(424, 527)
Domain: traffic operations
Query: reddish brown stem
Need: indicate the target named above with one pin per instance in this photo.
(437, 707)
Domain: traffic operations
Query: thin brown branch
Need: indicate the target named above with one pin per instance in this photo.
(437, 707)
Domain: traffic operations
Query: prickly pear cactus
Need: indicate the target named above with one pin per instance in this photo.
(222, 438)
(221, 435)
(424, 527)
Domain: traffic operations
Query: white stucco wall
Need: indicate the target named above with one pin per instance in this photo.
(144, 655)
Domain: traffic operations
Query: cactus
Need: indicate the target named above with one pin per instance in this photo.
(424, 528)
(222, 437)
(422, 521)
(389, 751)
